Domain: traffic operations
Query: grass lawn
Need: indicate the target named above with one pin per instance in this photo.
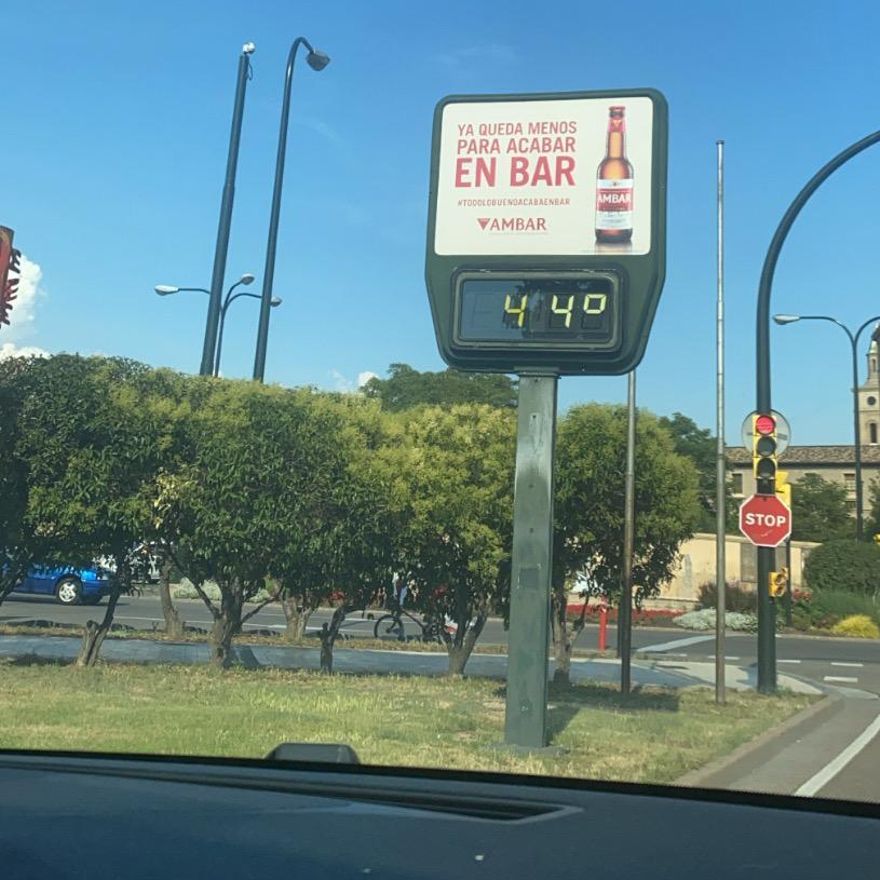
(655, 736)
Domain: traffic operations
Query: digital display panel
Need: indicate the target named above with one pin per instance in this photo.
(580, 311)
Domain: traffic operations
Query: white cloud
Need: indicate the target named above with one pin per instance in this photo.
(340, 382)
(29, 293)
(11, 350)
(345, 385)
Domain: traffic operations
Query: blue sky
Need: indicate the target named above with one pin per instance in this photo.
(116, 127)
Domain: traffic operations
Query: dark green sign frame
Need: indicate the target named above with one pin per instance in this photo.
(640, 276)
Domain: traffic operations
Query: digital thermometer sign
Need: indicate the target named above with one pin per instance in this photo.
(573, 311)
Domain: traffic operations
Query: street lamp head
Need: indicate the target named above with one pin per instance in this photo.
(247, 278)
(276, 301)
(165, 289)
(317, 59)
(786, 319)
(248, 48)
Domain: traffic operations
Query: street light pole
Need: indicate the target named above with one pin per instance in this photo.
(276, 301)
(222, 246)
(857, 434)
(317, 61)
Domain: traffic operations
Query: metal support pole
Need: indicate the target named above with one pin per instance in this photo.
(766, 624)
(274, 216)
(624, 616)
(721, 469)
(222, 246)
(789, 586)
(857, 437)
(526, 712)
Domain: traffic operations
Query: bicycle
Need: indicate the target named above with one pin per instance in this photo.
(393, 624)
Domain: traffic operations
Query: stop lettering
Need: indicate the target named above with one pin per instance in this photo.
(765, 520)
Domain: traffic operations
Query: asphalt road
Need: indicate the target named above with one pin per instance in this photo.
(851, 663)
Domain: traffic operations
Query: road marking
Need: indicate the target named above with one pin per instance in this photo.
(855, 665)
(726, 657)
(678, 643)
(829, 771)
(788, 661)
(842, 678)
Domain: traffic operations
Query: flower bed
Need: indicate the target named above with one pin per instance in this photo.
(641, 616)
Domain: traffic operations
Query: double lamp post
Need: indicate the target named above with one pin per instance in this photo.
(217, 305)
(857, 434)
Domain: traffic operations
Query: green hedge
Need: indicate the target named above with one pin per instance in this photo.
(844, 565)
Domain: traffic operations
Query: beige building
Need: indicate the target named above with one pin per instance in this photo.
(697, 567)
(833, 463)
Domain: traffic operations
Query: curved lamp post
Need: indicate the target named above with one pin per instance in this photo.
(766, 612)
(247, 278)
(317, 60)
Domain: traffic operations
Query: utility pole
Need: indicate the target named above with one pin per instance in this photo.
(721, 469)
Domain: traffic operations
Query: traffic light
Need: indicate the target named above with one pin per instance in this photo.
(764, 453)
(783, 487)
(778, 582)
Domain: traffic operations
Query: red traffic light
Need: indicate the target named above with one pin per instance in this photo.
(765, 424)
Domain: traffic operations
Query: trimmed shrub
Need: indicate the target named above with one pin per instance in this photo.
(844, 565)
(736, 598)
(859, 626)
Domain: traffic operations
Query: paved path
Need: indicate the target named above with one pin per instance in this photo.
(681, 674)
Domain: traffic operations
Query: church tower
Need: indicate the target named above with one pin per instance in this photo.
(869, 397)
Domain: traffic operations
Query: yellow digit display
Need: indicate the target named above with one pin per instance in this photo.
(563, 311)
(594, 303)
(518, 311)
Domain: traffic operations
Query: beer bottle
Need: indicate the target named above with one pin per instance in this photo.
(614, 184)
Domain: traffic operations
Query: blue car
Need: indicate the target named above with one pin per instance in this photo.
(70, 586)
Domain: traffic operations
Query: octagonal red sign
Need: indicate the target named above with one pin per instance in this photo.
(765, 520)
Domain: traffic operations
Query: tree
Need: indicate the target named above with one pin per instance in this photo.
(700, 446)
(349, 559)
(819, 510)
(449, 473)
(17, 541)
(262, 482)
(406, 388)
(92, 442)
(589, 510)
(872, 521)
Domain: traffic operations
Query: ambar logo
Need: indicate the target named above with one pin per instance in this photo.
(513, 224)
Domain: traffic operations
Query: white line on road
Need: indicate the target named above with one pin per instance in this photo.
(855, 665)
(726, 657)
(678, 643)
(841, 678)
(829, 771)
(788, 661)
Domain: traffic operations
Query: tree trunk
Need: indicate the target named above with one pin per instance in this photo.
(227, 624)
(94, 633)
(562, 641)
(174, 624)
(461, 646)
(297, 615)
(328, 637)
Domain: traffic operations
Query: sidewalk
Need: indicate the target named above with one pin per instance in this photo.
(662, 674)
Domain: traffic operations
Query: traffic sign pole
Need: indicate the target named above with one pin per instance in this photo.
(532, 564)
(766, 624)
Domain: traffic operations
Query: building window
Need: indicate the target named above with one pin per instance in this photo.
(849, 482)
(851, 506)
(736, 483)
(872, 432)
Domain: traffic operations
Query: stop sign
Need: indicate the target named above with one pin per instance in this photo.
(765, 520)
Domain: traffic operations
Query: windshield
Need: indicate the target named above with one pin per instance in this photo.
(388, 376)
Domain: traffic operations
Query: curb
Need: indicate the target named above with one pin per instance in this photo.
(718, 773)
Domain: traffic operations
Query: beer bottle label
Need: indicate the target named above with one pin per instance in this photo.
(614, 205)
